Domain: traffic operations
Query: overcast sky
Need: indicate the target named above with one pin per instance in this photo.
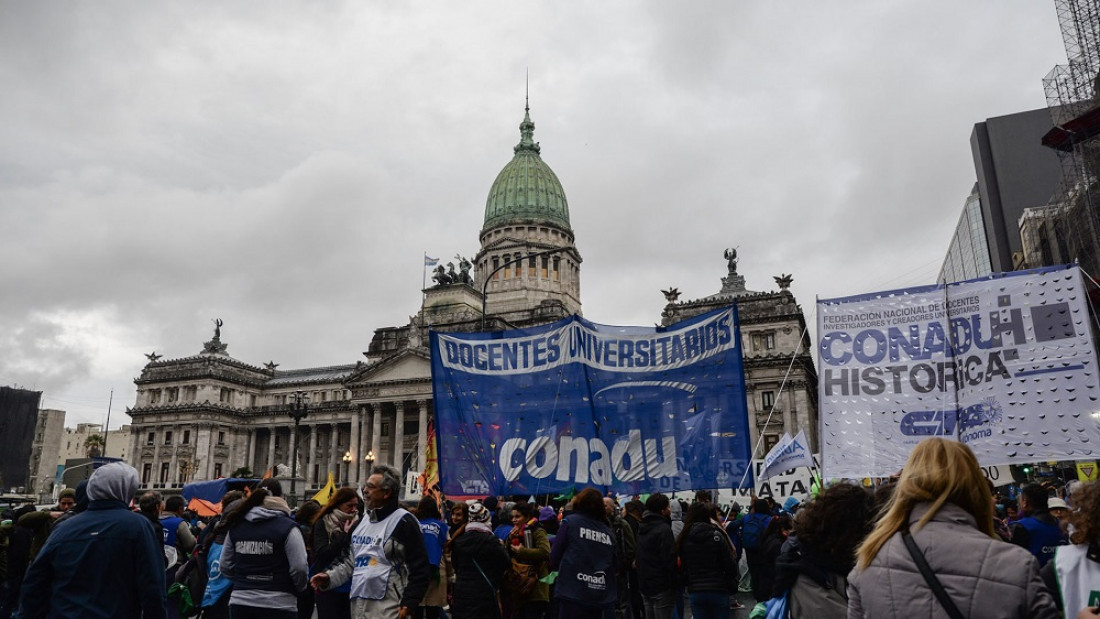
(283, 165)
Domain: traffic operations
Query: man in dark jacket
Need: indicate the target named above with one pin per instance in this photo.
(656, 558)
(104, 562)
(386, 561)
(1037, 531)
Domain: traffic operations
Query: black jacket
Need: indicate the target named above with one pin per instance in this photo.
(656, 554)
(479, 562)
(797, 559)
(706, 559)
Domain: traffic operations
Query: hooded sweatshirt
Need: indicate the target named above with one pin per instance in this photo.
(104, 562)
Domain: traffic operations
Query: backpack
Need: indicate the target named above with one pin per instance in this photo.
(752, 530)
(190, 585)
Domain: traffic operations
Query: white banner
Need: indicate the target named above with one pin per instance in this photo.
(1004, 364)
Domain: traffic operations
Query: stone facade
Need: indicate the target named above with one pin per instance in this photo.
(780, 379)
(207, 415)
(42, 471)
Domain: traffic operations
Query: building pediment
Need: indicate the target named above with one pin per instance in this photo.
(404, 366)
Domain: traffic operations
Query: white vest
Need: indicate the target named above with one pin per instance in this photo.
(371, 576)
(1078, 578)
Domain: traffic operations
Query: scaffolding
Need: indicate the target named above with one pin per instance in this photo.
(1073, 97)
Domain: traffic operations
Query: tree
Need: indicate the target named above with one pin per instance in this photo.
(243, 471)
(93, 445)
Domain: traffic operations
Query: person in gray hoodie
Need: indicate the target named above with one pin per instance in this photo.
(264, 556)
(103, 562)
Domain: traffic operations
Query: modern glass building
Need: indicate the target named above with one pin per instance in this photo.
(968, 255)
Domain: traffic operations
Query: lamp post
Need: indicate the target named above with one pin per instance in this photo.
(347, 467)
(369, 459)
(507, 262)
(298, 411)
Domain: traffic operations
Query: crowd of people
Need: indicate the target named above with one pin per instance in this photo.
(936, 541)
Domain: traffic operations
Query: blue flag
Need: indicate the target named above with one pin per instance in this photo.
(573, 404)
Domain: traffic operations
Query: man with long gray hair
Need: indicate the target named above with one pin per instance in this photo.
(387, 561)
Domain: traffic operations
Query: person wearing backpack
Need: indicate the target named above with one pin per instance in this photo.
(751, 533)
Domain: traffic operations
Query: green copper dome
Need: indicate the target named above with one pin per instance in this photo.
(526, 189)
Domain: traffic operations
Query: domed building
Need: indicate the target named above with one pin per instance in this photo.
(209, 415)
(527, 245)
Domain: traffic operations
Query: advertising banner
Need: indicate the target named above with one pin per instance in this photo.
(575, 404)
(1004, 364)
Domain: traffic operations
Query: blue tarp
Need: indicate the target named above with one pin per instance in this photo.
(210, 493)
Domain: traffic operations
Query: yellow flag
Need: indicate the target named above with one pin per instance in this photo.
(326, 492)
(1088, 470)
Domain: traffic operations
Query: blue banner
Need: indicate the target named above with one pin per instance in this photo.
(575, 404)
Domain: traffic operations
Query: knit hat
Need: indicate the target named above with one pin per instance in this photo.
(478, 513)
(490, 503)
(67, 493)
(547, 513)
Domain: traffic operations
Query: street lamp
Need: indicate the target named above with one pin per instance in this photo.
(347, 467)
(507, 262)
(298, 411)
(369, 459)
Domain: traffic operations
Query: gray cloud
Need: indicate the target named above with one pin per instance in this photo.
(283, 167)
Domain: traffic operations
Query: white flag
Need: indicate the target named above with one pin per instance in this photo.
(787, 454)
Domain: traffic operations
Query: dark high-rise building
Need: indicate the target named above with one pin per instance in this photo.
(18, 416)
(1015, 172)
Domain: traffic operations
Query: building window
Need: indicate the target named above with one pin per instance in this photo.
(217, 470)
(164, 473)
(519, 265)
(770, 440)
(277, 441)
(186, 437)
(769, 341)
(221, 438)
(168, 437)
(173, 394)
(146, 473)
(767, 400)
(531, 264)
(557, 269)
(252, 400)
(190, 394)
(545, 267)
(385, 428)
(152, 440)
(412, 426)
(226, 395)
(496, 265)
(154, 396)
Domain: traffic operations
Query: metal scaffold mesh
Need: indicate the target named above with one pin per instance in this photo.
(1073, 97)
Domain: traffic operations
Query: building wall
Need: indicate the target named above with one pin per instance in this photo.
(968, 254)
(1015, 171)
(72, 442)
(47, 442)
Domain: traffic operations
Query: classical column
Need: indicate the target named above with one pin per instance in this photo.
(270, 464)
(293, 454)
(251, 464)
(311, 457)
(154, 474)
(422, 435)
(334, 455)
(353, 447)
(399, 437)
(173, 466)
(376, 433)
(132, 449)
(365, 443)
